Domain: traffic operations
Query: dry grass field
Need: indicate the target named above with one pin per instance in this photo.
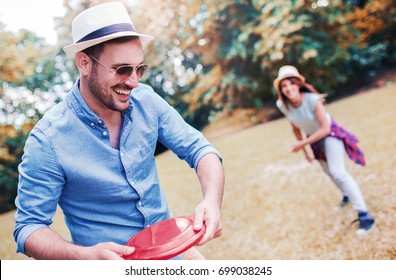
(279, 207)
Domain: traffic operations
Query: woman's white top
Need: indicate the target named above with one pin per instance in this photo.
(303, 116)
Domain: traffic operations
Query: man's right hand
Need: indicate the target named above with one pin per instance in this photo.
(108, 251)
(46, 244)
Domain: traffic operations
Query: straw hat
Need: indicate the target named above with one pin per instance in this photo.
(99, 24)
(287, 71)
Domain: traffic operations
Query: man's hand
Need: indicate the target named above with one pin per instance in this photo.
(46, 244)
(108, 251)
(208, 214)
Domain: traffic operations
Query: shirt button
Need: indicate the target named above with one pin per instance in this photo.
(147, 225)
(104, 133)
(100, 121)
(139, 203)
(92, 124)
(122, 154)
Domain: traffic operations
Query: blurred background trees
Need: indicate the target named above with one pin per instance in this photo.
(208, 58)
(27, 74)
(211, 57)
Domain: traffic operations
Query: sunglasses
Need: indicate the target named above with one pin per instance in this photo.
(125, 71)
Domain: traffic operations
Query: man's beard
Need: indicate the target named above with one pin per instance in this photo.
(99, 92)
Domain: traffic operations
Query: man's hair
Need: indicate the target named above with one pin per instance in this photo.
(97, 50)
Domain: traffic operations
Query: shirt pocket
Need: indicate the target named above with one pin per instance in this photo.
(147, 158)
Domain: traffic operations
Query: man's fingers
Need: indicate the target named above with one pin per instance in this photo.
(198, 219)
(127, 250)
(120, 250)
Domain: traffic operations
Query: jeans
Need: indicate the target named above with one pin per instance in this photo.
(335, 168)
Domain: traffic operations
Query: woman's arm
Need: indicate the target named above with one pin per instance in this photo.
(297, 133)
(323, 131)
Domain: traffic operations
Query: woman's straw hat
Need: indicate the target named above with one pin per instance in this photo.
(99, 24)
(287, 71)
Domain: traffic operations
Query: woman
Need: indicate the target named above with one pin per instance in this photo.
(303, 106)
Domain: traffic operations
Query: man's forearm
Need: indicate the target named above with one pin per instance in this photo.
(46, 244)
(211, 176)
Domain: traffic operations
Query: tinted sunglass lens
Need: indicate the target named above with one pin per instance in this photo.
(125, 71)
(141, 70)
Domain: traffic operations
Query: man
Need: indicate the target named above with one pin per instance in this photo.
(93, 153)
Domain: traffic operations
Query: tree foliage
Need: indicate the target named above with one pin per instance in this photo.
(375, 25)
(17, 56)
(215, 56)
(26, 74)
(11, 149)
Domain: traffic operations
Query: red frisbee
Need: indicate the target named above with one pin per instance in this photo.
(165, 240)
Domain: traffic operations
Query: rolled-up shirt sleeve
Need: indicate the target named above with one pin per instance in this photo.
(39, 188)
(185, 141)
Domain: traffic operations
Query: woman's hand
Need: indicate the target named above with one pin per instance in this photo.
(300, 145)
(297, 146)
(308, 157)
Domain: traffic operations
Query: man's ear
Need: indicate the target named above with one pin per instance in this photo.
(83, 63)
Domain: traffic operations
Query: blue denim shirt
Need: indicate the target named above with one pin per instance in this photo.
(106, 194)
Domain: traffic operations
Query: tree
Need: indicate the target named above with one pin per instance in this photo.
(375, 24)
(215, 56)
(25, 73)
(11, 148)
(230, 51)
(17, 54)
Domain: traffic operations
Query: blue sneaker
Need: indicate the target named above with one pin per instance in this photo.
(366, 223)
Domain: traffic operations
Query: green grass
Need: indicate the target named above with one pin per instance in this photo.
(278, 206)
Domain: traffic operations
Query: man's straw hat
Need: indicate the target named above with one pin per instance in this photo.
(99, 24)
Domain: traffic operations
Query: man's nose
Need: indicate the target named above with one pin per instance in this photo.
(132, 80)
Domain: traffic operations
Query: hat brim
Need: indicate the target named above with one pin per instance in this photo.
(73, 49)
(279, 79)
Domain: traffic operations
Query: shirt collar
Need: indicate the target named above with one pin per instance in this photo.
(84, 112)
